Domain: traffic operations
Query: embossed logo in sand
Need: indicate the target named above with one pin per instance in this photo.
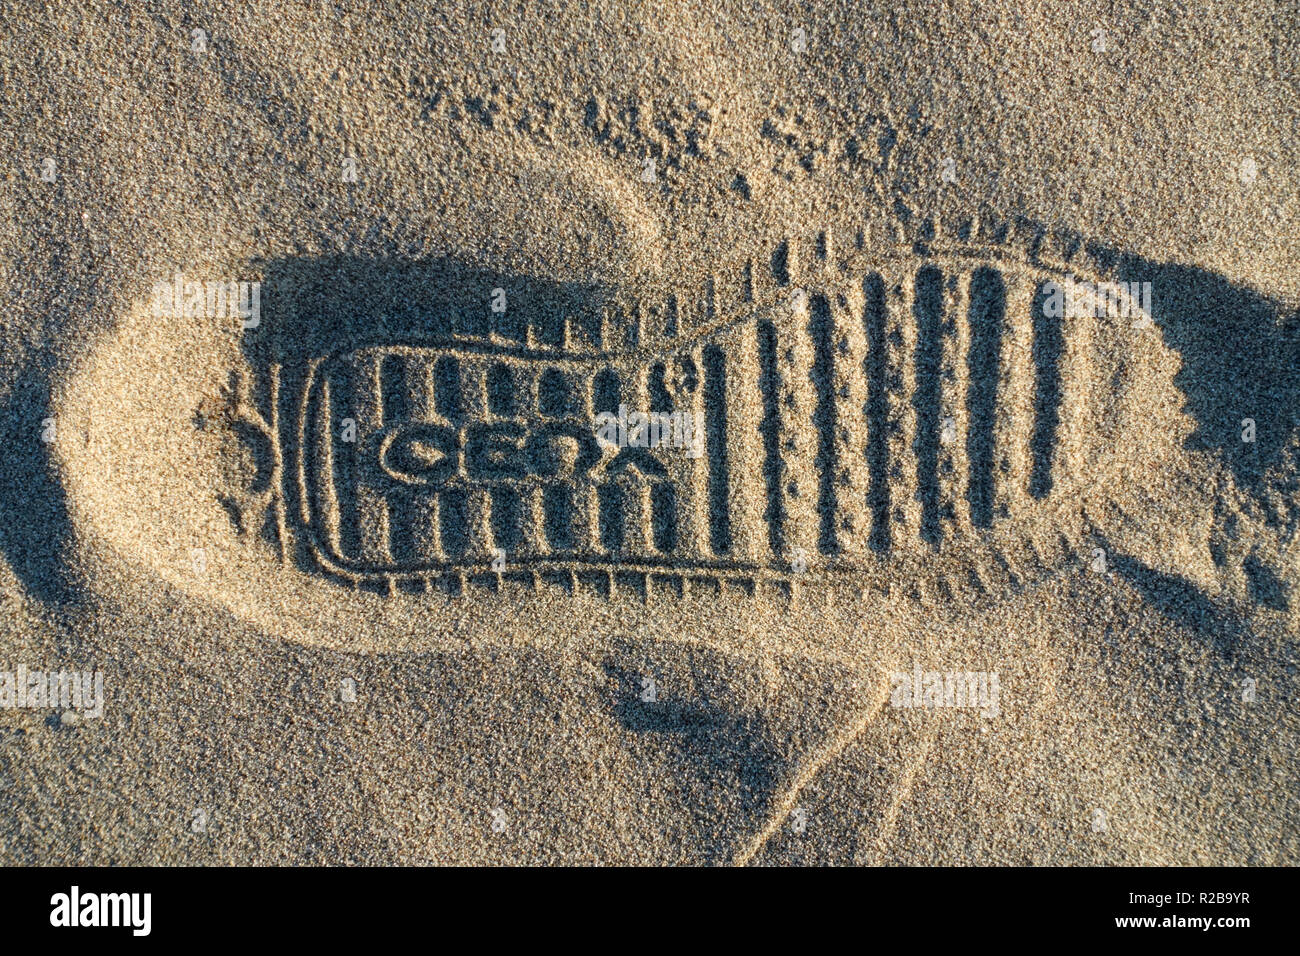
(427, 458)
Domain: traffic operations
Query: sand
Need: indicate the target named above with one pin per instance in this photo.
(363, 587)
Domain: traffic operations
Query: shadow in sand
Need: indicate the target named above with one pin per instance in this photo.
(712, 743)
(1181, 601)
(35, 529)
(1265, 587)
(318, 306)
(1240, 355)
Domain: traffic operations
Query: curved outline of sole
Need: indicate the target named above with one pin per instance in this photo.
(987, 247)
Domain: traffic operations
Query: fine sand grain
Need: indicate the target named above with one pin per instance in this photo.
(362, 583)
